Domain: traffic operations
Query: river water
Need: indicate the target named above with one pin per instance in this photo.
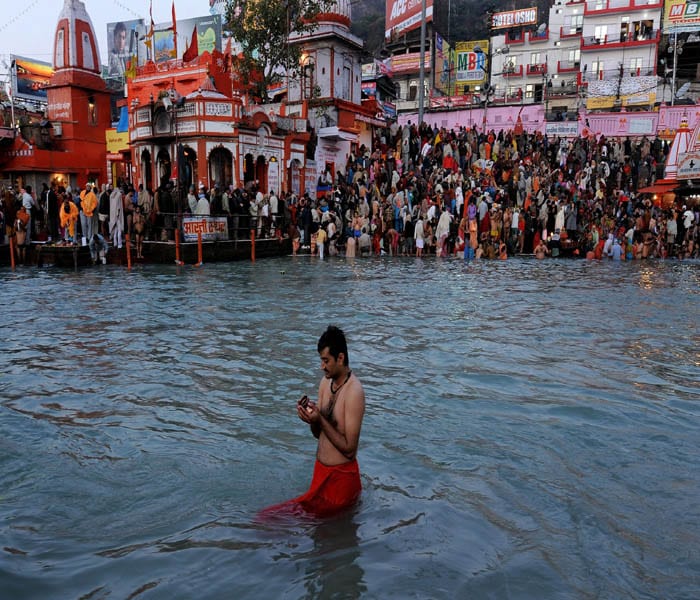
(532, 430)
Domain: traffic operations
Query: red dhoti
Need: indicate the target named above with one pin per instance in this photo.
(333, 488)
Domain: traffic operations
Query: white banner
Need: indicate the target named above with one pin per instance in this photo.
(211, 228)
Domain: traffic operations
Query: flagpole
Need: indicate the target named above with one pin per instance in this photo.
(175, 30)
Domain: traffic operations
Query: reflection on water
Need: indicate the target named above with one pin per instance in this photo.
(531, 430)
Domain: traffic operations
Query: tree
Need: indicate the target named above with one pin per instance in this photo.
(262, 28)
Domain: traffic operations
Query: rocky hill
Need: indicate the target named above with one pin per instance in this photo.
(468, 18)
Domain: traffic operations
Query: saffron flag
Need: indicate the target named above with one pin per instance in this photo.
(227, 56)
(192, 51)
(174, 28)
(149, 37)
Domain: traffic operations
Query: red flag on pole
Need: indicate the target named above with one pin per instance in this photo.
(192, 51)
(175, 29)
(227, 56)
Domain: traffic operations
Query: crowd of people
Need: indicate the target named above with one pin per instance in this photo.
(420, 191)
(424, 190)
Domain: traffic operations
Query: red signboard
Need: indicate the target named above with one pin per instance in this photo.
(405, 15)
(408, 63)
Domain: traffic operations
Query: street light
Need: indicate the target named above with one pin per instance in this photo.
(675, 48)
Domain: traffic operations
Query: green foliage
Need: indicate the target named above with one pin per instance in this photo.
(262, 27)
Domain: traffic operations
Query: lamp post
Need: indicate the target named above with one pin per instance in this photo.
(675, 48)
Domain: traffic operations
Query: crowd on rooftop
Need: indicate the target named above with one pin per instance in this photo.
(419, 190)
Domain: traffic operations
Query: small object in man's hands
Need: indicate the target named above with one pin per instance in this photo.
(304, 402)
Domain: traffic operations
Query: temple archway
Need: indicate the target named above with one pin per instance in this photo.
(189, 168)
(221, 167)
(146, 170)
(164, 166)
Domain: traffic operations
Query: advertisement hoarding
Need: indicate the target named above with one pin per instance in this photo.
(681, 15)
(30, 78)
(514, 18)
(209, 34)
(471, 66)
(125, 43)
(444, 66)
(408, 63)
(405, 15)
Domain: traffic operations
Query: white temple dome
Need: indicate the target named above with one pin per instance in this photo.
(339, 12)
(75, 44)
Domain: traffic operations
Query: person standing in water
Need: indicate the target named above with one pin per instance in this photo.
(335, 419)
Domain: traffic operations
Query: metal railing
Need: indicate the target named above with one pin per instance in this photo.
(649, 35)
(239, 226)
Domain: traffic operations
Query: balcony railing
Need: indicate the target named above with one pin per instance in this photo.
(512, 70)
(566, 32)
(614, 74)
(615, 40)
(594, 7)
(537, 69)
(515, 38)
(533, 36)
(565, 66)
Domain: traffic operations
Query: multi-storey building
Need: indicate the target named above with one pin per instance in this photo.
(619, 49)
(541, 64)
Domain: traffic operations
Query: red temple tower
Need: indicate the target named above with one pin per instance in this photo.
(71, 150)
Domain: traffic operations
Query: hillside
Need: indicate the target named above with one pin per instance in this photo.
(368, 19)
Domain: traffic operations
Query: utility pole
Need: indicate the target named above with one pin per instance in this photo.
(421, 72)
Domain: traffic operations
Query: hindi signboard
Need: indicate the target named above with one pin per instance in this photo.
(689, 166)
(211, 228)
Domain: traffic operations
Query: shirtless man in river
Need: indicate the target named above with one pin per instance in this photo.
(335, 419)
(139, 225)
(541, 250)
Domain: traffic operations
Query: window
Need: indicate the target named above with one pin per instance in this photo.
(573, 25)
(600, 32)
(529, 90)
(574, 57)
(535, 58)
(92, 111)
(636, 65)
(307, 77)
(577, 23)
(597, 68)
(413, 89)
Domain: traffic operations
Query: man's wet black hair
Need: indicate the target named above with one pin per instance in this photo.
(334, 339)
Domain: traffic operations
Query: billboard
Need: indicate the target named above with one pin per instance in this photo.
(681, 15)
(30, 78)
(444, 66)
(209, 34)
(409, 63)
(405, 15)
(471, 66)
(126, 45)
(127, 41)
(514, 18)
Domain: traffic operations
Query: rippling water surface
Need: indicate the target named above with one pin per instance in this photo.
(532, 430)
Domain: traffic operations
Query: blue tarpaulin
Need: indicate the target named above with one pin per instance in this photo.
(123, 125)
